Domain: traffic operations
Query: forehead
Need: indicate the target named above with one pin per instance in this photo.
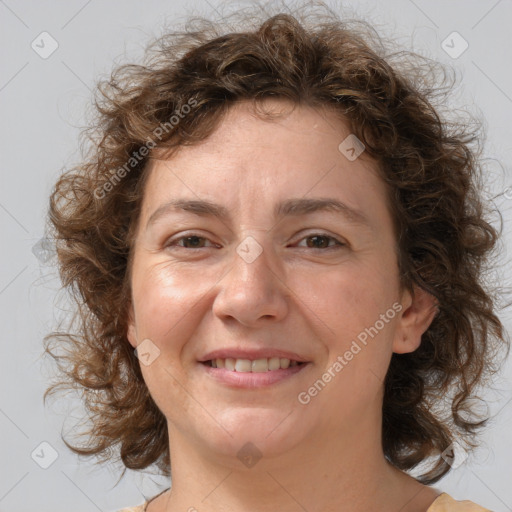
(294, 153)
(268, 127)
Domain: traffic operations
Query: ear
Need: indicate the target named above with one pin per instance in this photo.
(417, 315)
(131, 331)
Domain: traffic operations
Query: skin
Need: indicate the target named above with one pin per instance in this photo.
(297, 295)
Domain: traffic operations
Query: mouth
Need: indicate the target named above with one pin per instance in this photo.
(260, 365)
(253, 373)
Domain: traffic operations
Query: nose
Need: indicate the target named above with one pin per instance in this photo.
(252, 291)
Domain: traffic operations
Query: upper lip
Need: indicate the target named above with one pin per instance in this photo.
(260, 353)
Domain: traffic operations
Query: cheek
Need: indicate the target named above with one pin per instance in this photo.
(166, 305)
(348, 298)
(165, 302)
(358, 311)
(355, 305)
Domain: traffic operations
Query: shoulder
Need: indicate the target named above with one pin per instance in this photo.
(144, 506)
(139, 508)
(445, 503)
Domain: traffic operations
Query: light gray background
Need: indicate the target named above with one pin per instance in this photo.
(42, 104)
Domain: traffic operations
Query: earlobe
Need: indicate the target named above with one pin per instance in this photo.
(418, 313)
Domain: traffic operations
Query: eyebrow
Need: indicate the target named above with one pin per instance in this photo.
(296, 207)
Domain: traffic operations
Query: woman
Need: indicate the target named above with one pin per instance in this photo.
(279, 246)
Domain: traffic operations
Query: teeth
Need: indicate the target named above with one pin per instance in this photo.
(242, 365)
(274, 363)
(257, 365)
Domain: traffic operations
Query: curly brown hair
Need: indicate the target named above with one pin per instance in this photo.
(178, 95)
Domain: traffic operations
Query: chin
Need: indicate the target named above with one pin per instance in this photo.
(253, 432)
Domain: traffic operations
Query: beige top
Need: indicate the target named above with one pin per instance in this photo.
(443, 503)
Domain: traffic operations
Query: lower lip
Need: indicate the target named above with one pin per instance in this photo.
(250, 379)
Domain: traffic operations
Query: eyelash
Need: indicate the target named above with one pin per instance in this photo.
(338, 243)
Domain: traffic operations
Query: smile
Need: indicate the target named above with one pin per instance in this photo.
(251, 374)
(254, 366)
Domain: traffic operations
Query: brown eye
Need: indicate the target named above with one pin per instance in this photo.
(189, 242)
(193, 241)
(322, 241)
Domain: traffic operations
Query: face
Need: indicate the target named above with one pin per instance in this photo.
(268, 268)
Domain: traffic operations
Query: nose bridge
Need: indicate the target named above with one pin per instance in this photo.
(252, 265)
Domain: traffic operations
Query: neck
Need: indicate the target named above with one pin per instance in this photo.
(348, 473)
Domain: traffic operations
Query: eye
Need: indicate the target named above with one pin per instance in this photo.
(189, 242)
(322, 241)
(313, 241)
